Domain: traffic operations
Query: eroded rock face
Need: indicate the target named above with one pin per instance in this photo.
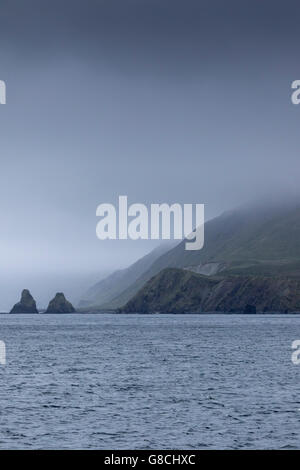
(181, 291)
(60, 305)
(27, 304)
(249, 309)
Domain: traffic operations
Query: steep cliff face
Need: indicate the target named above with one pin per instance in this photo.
(27, 304)
(60, 305)
(181, 291)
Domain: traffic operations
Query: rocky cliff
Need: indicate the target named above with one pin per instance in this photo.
(27, 304)
(181, 291)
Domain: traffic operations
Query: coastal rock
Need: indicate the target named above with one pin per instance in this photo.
(60, 305)
(27, 304)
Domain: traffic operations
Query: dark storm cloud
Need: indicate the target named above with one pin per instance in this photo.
(175, 32)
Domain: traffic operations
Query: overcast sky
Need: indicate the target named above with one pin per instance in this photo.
(163, 101)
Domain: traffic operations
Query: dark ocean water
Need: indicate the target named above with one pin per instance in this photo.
(149, 382)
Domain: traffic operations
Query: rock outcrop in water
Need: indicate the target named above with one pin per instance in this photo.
(27, 304)
(60, 305)
(180, 291)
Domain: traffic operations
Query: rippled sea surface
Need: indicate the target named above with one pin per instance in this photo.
(149, 382)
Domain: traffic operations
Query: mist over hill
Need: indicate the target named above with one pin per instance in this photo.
(253, 240)
(106, 290)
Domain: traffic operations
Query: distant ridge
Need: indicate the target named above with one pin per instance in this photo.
(103, 293)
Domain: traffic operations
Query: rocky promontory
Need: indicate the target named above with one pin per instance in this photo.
(27, 304)
(60, 305)
(180, 291)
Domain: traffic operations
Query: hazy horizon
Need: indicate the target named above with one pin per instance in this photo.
(181, 101)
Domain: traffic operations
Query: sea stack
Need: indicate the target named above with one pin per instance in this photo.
(60, 305)
(27, 304)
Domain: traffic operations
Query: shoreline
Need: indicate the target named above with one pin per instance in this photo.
(153, 314)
